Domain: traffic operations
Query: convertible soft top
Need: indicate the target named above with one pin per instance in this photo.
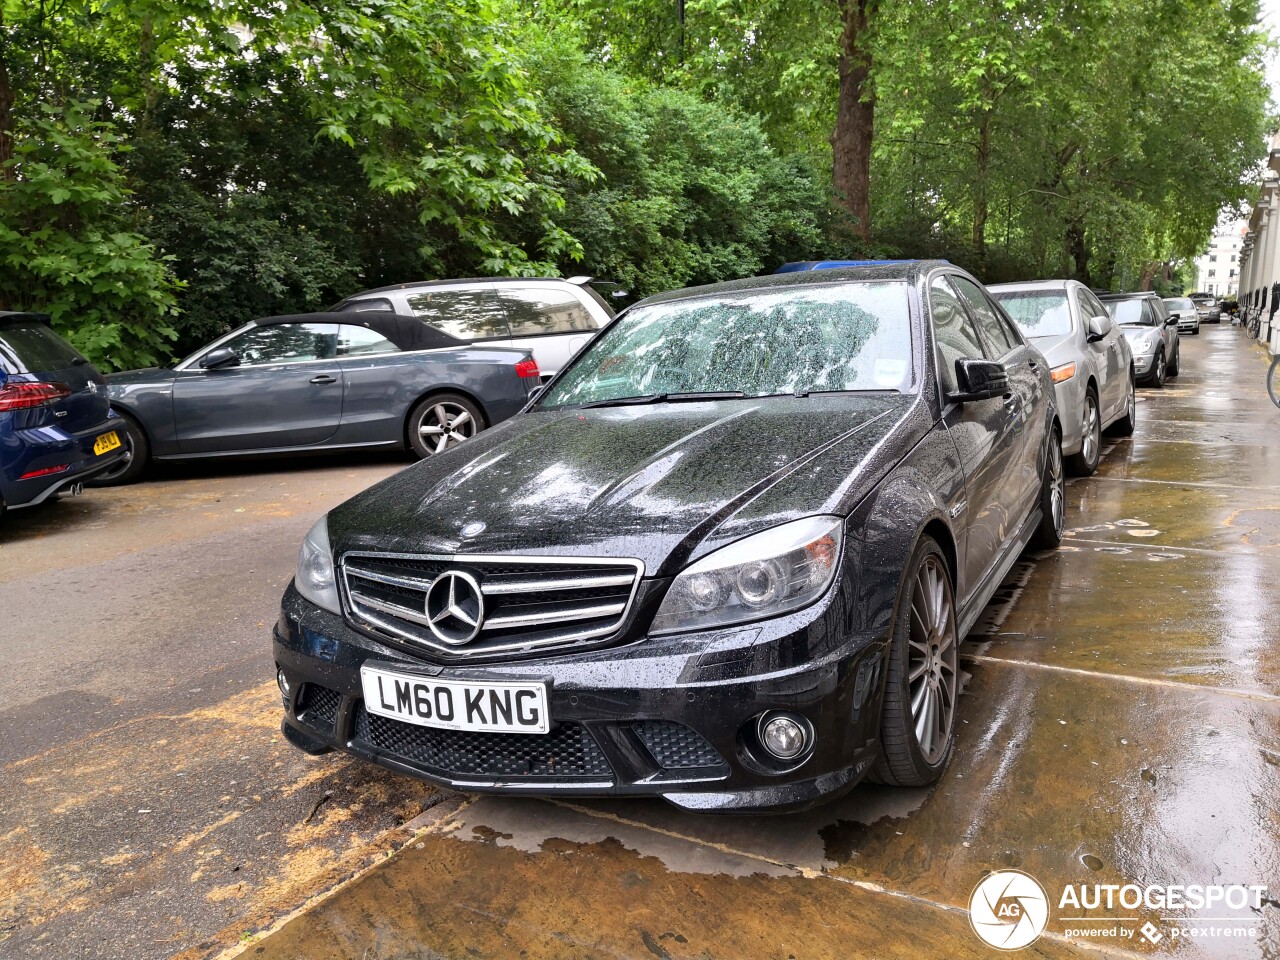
(407, 333)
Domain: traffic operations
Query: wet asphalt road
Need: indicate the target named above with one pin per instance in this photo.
(1121, 724)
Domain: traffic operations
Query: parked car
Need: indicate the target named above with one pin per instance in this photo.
(1089, 360)
(317, 382)
(1152, 333)
(553, 318)
(726, 557)
(1209, 307)
(1184, 311)
(56, 427)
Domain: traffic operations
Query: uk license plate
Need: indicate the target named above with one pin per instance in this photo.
(106, 443)
(478, 706)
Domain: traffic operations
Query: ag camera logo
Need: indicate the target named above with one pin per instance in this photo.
(1008, 910)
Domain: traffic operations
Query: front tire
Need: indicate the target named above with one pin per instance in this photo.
(1124, 426)
(1176, 361)
(1161, 371)
(918, 716)
(1053, 498)
(441, 422)
(1085, 462)
(137, 455)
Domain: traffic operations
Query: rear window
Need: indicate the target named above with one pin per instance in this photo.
(1042, 314)
(464, 314)
(30, 347)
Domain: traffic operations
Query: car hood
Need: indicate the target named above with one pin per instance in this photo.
(1056, 349)
(661, 483)
(1142, 338)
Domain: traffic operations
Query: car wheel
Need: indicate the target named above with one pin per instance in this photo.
(1159, 377)
(918, 718)
(1085, 462)
(134, 464)
(1124, 426)
(1174, 362)
(441, 422)
(1053, 498)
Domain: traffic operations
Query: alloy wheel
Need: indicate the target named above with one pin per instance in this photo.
(931, 660)
(1160, 368)
(1132, 410)
(1057, 486)
(1091, 431)
(445, 424)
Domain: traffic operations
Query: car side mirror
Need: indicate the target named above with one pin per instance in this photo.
(1171, 322)
(979, 380)
(220, 359)
(1098, 327)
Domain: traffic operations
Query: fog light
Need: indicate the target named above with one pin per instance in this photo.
(784, 735)
(283, 682)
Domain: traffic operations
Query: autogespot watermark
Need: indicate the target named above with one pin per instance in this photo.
(1009, 910)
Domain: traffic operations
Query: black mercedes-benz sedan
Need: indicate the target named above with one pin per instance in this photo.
(726, 557)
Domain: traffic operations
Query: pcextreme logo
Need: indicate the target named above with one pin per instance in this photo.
(1008, 910)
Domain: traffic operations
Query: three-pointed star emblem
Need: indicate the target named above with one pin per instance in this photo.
(455, 607)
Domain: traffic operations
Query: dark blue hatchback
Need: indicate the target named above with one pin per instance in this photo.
(56, 427)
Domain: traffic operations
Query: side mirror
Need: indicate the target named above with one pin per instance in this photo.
(1171, 322)
(1098, 327)
(220, 359)
(980, 380)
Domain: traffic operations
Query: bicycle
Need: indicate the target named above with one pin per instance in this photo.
(1273, 381)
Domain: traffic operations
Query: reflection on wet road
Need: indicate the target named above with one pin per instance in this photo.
(1121, 725)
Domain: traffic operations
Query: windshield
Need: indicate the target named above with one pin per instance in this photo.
(850, 336)
(1128, 312)
(1179, 303)
(1040, 314)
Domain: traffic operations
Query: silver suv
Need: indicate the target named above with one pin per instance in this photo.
(553, 318)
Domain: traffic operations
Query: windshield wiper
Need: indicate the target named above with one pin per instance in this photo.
(682, 397)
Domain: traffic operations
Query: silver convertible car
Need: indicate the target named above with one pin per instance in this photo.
(1089, 359)
(318, 382)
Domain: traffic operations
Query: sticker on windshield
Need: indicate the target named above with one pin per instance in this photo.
(890, 371)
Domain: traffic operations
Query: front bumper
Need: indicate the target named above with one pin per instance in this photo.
(1189, 326)
(665, 716)
(1144, 367)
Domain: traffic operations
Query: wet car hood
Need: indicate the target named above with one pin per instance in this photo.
(1056, 349)
(661, 483)
(1140, 337)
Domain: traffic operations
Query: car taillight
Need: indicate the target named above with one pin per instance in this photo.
(23, 396)
(528, 368)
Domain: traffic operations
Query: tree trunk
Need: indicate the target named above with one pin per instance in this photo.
(980, 205)
(1079, 252)
(6, 113)
(855, 114)
(1148, 277)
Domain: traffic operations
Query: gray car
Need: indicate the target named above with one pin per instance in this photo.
(1151, 331)
(318, 382)
(1089, 360)
(1184, 310)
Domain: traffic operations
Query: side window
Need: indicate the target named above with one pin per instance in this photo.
(466, 314)
(535, 310)
(286, 343)
(356, 341)
(1090, 306)
(953, 332)
(374, 305)
(986, 316)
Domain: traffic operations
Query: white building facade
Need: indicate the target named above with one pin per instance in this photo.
(1218, 270)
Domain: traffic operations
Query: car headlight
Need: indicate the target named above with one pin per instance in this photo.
(760, 576)
(315, 578)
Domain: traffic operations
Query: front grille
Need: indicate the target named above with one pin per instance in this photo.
(317, 706)
(676, 747)
(529, 602)
(566, 753)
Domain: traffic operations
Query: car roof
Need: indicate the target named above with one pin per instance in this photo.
(909, 270)
(461, 281)
(1132, 295)
(796, 266)
(407, 333)
(1033, 285)
(15, 315)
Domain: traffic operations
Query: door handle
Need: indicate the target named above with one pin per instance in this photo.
(323, 378)
(1033, 365)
